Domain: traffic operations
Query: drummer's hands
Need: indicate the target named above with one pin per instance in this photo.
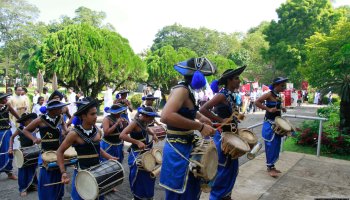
(37, 141)
(10, 151)
(205, 120)
(155, 138)
(113, 158)
(284, 110)
(141, 145)
(64, 178)
(207, 130)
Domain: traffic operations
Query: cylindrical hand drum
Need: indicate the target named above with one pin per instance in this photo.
(99, 180)
(204, 160)
(233, 145)
(248, 136)
(281, 127)
(26, 156)
(146, 161)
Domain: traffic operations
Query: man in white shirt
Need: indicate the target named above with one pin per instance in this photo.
(71, 99)
(158, 94)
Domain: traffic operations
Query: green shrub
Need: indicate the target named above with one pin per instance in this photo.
(136, 100)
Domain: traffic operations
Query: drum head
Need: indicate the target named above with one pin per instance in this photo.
(70, 153)
(283, 124)
(148, 161)
(210, 161)
(235, 141)
(86, 185)
(49, 156)
(248, 136)
(18, 156)
(157, 154)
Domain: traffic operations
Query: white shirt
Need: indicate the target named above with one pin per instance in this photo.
(158, 94)
(35, 99)
(36, 109)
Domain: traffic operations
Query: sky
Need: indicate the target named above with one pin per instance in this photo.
(140, 20)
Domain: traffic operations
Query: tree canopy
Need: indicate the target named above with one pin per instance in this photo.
(88, 58)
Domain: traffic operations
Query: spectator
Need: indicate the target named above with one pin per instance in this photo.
(158, 93)
(46, 94)
(38, 105)
(71, 99)
(330, 95)
(35, 97)
(26, 98)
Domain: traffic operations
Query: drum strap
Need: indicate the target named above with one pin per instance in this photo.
(53, 126)
(177, 151)
(88, 140)
(273, 136)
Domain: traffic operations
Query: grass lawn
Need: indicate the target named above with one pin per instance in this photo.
(290, 145)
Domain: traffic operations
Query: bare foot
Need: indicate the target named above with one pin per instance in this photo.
(23, 194)
(278, 171)
(11, 176)
(273, 173)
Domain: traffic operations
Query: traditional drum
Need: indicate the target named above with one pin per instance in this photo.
(146, 161)
(204, 160)
(50, 158)
(248, 136)
(281, 127)
(99, 180)
(160, 131)
(234, 145)
(26, 156)
(158, 155)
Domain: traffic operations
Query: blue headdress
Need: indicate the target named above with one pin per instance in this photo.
(197, 68)
(230, 73)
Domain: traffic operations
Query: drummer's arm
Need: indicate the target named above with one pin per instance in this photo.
(106, 155)
(205, 109)
(67, 113)
(154, 135)
(106, 129)
(64, 128)
(27, 131)
(12, 111)
(11, 141)
(170, 116)
(259, 102)
(70, 121)
(126, 131)
(67, 142)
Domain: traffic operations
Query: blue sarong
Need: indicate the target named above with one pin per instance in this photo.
(27, 177)
(272, 144)
(54, 192)
(225, 179)
(113, 150)
(5, 158)
(141, 183)
(125, 115)
(74, 193)
(175, 175)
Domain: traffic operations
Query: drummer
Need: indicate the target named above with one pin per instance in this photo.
(85, 138)
(141, 183)
(50, 132)
(5, 135)
(121, 98)
(224, 104)
(57, 95)
(149, 101)
(26, 175)
(113, 125)
(179, 115)
(271, 102)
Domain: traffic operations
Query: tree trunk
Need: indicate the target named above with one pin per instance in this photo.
(344, 117)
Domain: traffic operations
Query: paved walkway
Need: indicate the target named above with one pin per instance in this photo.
(303, 177)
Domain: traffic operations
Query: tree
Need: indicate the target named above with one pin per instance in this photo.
(298, 20)
(203, 41)
(160, 66)
(88, 58)
(328, 65)
(17, 32)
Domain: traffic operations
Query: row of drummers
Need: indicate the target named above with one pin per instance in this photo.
(100, 179)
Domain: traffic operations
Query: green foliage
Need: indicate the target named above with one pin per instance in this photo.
(332, 141)
(160, 65)
(136, 100)
(203, 41)
(87, 58)
(298, 20)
